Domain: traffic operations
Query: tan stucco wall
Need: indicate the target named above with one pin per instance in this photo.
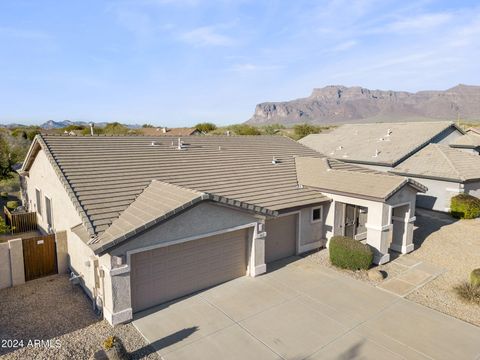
(201, 219)
(43, 177)
(438, 194)
(5, 272)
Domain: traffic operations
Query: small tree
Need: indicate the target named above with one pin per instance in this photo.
(302, 130)
(206, 127)
(9, 156)
(145, 126)
(115, 128)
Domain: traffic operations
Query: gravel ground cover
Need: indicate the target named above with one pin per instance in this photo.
(440, 240)
(52, 309)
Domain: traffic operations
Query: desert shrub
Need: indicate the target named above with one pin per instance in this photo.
(4, 195)
(109, 342)
(244, 129)
(475, 277)
(348, 253)
(464, 206)
(468, 292)
(12, 204)
(205, 127)
(4, 228)
(302, 130)
(272, 129)
(96, 131)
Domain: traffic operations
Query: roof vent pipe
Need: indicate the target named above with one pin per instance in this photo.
(389, 131)
(376, 153)
(91, 128)
(164, 130)
(274, 161)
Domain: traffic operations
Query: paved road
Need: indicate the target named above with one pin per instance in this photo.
(302, 311)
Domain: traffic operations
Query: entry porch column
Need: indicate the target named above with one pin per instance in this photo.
(379, 232)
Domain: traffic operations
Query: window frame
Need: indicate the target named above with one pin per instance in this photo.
(38, 202)
(320, 219)
(47, 215)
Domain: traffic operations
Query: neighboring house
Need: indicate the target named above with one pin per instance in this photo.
(149, 221)
(445, 171)
(381, 146)
(470, 142)
(169, 131)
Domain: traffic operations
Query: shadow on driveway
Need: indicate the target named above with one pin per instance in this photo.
(163, 342)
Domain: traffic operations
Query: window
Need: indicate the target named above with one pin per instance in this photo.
(38, 198)
(48, 210)
(317, 214)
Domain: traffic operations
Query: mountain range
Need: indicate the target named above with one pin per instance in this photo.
(340, 104)
(52, 124)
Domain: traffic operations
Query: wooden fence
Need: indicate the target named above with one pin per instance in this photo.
(21, 222)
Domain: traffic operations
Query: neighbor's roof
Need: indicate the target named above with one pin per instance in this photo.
(470, 140)
(169, 132)
(441, 162)
(104, 175)
(380, 143)
(330, 175)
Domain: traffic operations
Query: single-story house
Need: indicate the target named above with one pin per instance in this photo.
(445, 171)
(381, 146)
(149, 220)
(470, 142)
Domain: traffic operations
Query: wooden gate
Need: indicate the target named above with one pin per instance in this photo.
(39, 256)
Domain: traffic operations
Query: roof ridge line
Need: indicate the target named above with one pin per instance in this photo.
(68, 188)
(452, 165)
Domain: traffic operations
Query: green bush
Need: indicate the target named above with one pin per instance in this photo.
(475, 277)
(244, 129)
(12, 205)
(205, 127)
(348, 253)
(465, 206)
(4, 228)
(4, 194)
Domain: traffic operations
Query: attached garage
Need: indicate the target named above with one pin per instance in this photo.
(169, 272)
(281, 240)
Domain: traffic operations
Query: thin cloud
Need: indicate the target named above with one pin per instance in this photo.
(206, 36)
(249, 67)
(420, 23)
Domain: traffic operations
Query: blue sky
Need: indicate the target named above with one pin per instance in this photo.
(178, 62)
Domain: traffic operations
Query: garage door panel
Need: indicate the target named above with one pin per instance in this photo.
(281, 240)
(166, 273)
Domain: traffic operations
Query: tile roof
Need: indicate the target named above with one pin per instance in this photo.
(333, 176)
(441, 162)
(470, 140)
(379, 143)
(104, 175)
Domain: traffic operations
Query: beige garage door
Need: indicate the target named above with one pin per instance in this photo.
(281, 238)
(170, 272)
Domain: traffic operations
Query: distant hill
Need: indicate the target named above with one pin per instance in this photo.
(51, 124)
(340, 104)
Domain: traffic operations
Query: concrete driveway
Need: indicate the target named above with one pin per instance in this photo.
(302, 311)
